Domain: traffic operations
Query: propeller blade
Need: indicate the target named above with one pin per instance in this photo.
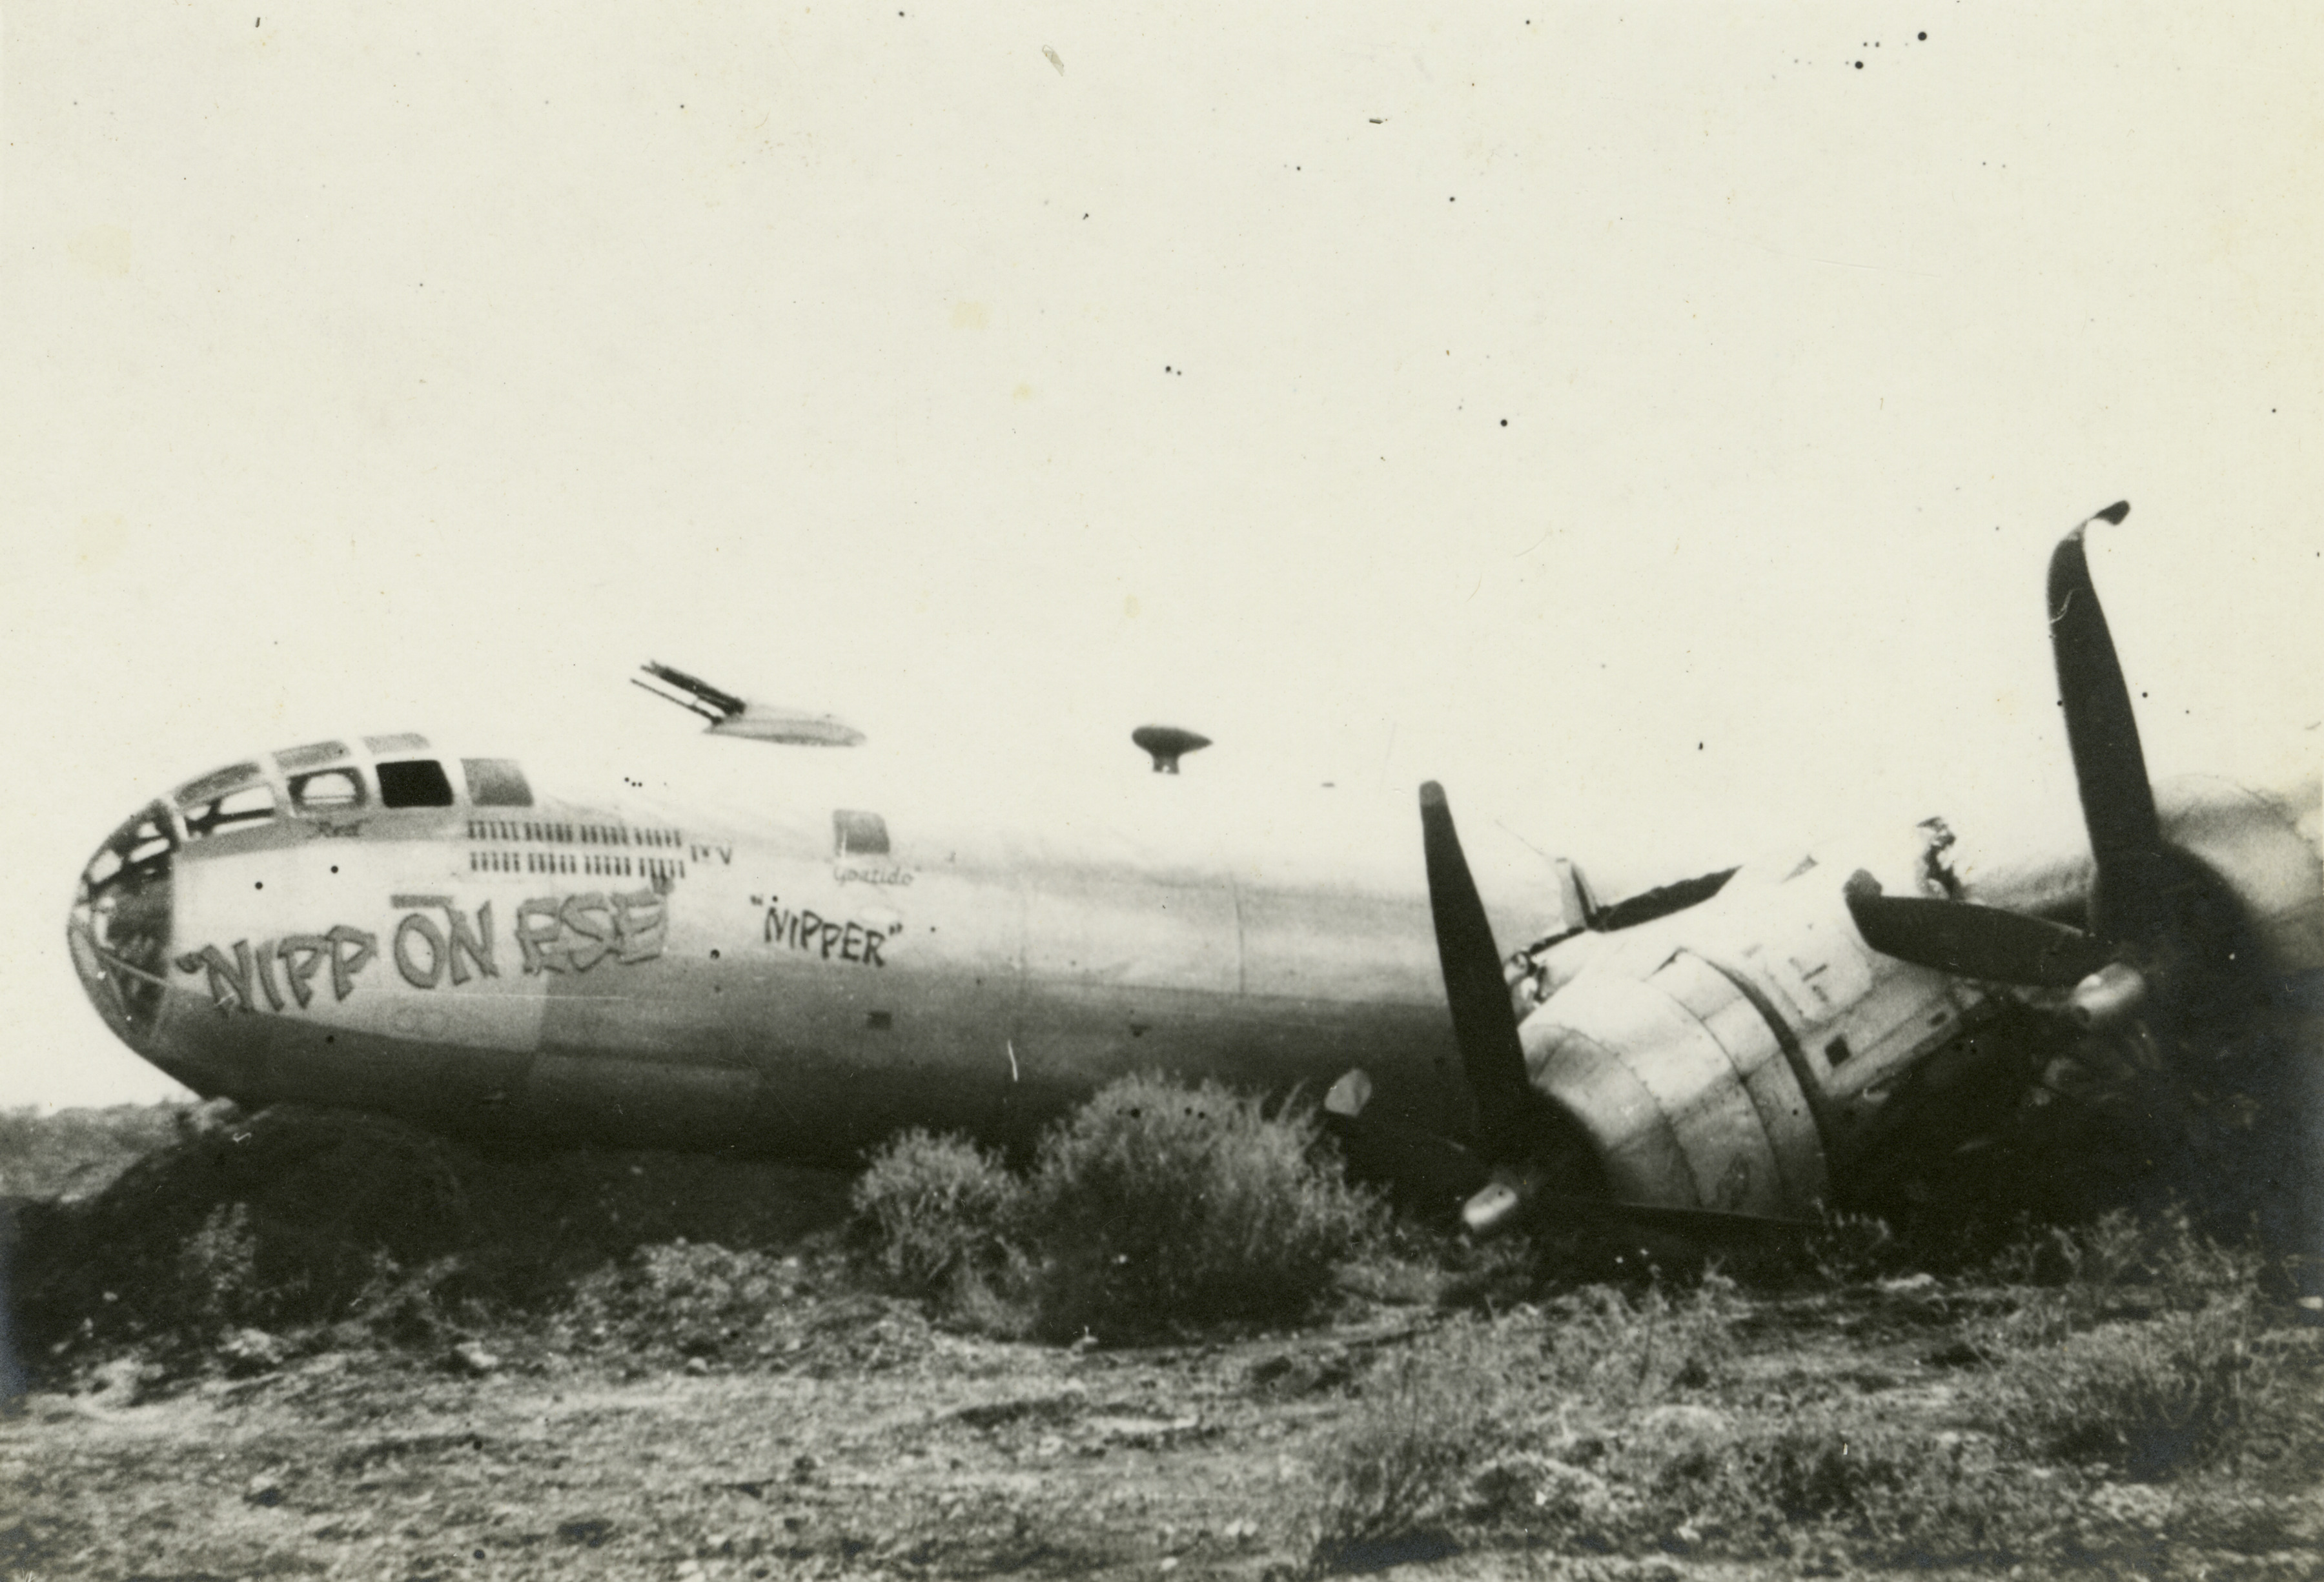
(1510, 1202)
(1419, 1166)
(1484, 1022)
(1975, 942)
(1707, 1224)
(2110, 769)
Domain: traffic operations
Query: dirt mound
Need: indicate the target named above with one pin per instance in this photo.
(279, 1219)
(298, 1218)
(75, 1154)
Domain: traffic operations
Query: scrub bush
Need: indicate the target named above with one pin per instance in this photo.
(1158, 1204)
(1390, 1480)
(683, 1298)
(218, 1269)
(937, 1215)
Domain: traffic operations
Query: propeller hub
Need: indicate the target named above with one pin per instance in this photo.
(2107, 996)
(1493, 1209)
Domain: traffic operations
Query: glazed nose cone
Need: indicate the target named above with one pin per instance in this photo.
(119, 929)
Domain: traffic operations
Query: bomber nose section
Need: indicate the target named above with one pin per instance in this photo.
(119, 930)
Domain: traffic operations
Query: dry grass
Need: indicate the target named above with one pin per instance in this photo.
(1397, 1468)
(2153, 1350)
(2118, 1398)
(1647, 1422)
(1497, 1421)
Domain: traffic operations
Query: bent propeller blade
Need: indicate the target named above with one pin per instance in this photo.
(1484, 1022)
(2102, 734)
(1973, 940)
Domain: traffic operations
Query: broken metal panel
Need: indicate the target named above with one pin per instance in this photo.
(1907, 1011)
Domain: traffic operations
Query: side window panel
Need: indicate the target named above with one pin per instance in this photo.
(858, 834)
(496, 782)
(327, 790)
(417, 782)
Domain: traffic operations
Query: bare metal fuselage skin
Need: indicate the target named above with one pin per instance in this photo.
(802, 987)
(806, 980)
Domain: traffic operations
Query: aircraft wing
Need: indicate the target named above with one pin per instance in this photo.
(730, 715)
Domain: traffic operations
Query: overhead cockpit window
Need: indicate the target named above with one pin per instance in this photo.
(416, 782)
(496, 782)
(327, 790)
(858, 834)
(208, 806)
(292, 760)
(398, 742)
(218, 780)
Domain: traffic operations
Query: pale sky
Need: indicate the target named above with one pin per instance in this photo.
(1652, 423)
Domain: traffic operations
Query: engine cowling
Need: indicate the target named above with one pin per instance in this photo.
(1682, 1089)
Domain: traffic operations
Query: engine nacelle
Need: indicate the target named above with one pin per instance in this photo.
(2264, 846)
(1683, 1088)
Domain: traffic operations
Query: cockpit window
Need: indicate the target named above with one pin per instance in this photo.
(858, 834)
(146, 837)
(417, 782)
(396, 741)
(496, 782)
(210, 786)
(327, 790)
(133, 847)
(251, 803)
(292, 760)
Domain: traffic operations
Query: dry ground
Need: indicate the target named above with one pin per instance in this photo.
(849, 1435)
